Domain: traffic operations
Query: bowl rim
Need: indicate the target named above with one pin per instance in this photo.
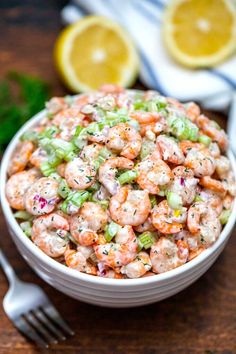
(76, 275)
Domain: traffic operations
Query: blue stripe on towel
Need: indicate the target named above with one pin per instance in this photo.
(224, 77)
(156, 3)
(152, 76)
(147, 13)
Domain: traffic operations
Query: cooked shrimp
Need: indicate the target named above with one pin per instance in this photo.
(170, 150)
(222, 166)
(85, 225)
(67, 121)
(108, 170)
(56, 104)
(166, 254)
(90, 152)
(138, 267)
(153, 173)
(214, 149)
(20, 157)
(109, 273)
(228, 201)
(17, 186)
(192, 111)
(212, 184)
(193, 240)
(111, 88)
(184, 184)
(229, 183)
(200, 161)
(145, 226)
(187, 145)
(120, 253)
(213, 130)
(49, 233)
(38, 157)
(124, 139)
(78, 260)
(167, 220)
(61, 169)
(203, 220)
(41, 197)
(130, 207)
(145, 117)
(213, 199)
(79, 174)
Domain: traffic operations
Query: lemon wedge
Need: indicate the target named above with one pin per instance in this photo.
(94, 51)
(200, 33)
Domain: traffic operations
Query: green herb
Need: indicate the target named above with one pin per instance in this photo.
(21, 96)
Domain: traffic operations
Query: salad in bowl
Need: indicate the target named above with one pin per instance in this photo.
(121, 183)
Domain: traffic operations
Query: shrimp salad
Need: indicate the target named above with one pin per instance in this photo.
(122, 183)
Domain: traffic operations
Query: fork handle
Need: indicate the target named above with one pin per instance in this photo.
(7, 268)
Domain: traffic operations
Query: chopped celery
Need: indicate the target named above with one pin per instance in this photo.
(204, 139)
(224, 216)
(74, 200)
(174, 200)
(46, 169)
(26, 228)
(111, 230)
(198, 198)
(146, 240)
(127, 177)
(30, 136)
(23, 215)
(63, 189)
(183, 128)
(153, 200)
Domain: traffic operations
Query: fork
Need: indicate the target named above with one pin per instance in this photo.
(31, 311)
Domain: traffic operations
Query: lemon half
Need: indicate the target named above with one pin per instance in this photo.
(200, 33)
(94, 51)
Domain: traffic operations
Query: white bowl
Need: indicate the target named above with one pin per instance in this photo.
(104, 291)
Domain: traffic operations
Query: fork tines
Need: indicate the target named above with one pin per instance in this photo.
(43, 325)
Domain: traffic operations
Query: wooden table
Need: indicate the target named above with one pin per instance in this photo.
(199, 320)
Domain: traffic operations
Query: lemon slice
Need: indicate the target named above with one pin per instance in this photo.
(200, 33)
(94, 51)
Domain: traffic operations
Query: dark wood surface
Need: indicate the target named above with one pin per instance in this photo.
(199, 320)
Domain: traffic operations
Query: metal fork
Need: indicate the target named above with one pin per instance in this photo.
(29, 308)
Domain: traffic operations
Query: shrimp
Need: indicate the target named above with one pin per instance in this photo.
(203, 220)
(187, 145)
(124, 139)
(213, 199)
(80, 174)
(38, 157)
(170, 150)
(85, 225)
(228, 201)
(184, 184)
(229, 183)
(167, 220)
(20, 157)
(108, 170)
(111, 88)
(49, 233)
(56, 104)
(166, 254)
(222, 166)
(192, 240)
(42, 197)
(67, 121)
(90, 152)
(130, 207)
(212, 184)
(78, 259)
(61, 169)
(120, 253)
(145, 117)
(145, 226)
(17, 186)
(138, 267)
(214, 149)
(109, 273)
(153, 173)
(213, 130)
(200, 161)
(192, 111)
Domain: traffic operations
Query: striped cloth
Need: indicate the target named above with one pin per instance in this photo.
(213, 88)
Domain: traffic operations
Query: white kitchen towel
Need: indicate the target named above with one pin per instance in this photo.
(213, 88)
